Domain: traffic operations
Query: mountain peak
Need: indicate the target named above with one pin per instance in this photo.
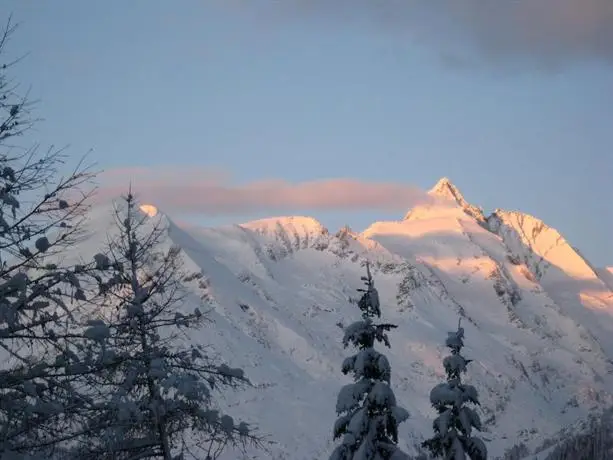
(293, 225)
(445, 192)
(444, 188)
(149, 209)
(443, 182)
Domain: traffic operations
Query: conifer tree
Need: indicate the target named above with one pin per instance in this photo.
(453, 427)
(152, 392)
(369, 416)
(589, 441)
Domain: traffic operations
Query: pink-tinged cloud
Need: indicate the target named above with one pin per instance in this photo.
(194, 191)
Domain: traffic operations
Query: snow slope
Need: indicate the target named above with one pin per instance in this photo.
(536, 317)
(561, 270)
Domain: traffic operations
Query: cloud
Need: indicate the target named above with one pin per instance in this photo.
(545, 32)
(191, 190)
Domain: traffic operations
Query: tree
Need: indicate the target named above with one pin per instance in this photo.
(453, 426)
(592, 439)
(369, 416)
(152, 390)
(40, 215)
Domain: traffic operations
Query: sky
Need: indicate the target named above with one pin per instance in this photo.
(343, 110)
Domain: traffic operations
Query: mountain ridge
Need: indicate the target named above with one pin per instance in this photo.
(280, 288)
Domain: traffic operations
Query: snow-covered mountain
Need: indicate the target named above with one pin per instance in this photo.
(606, 275)
(538, 318)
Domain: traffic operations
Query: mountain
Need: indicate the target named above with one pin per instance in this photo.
(537, 317)
(606, 275)
(560, 269)
(445, 197)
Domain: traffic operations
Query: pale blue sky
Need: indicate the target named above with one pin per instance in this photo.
(298, 96)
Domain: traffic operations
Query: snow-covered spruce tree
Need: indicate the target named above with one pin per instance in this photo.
(369, 416)
(453, 427)
(153, 393)
(40, 216)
